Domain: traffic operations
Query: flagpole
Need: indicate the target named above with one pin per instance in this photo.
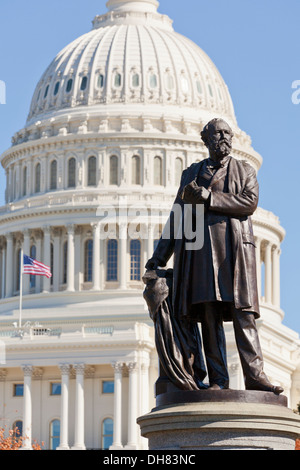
(21, 289)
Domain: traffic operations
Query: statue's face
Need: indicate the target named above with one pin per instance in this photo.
(220, 139)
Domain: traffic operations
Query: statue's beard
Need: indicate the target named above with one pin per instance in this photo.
(221, 149)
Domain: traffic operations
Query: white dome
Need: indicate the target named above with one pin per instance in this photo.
(131, 56)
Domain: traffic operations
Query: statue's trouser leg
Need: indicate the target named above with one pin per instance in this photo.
(214, 343)
(249, 349)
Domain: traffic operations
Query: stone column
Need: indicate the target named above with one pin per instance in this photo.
(79, 408)
(150, 241)
(38, 238)
(276, 276)
(3, 373)
(268, 273)
(47, 257)
(96, 256)
(123, 256)
(3, 267)
(64, 407)
(258, 265)
(9, 265)
(132, 407)
(71, 259)
(27, 408)
(26, 251)
(56, 259)
(117, 443)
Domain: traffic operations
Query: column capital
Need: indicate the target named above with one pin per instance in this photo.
(132, 366)
(9, 236)
(64, 368)
(118, 366)
(95, 226)
(70, 228)
(56, 232)
(79, 368)
(26, 232)
(47, 229)
(3, 374)
(27, 370)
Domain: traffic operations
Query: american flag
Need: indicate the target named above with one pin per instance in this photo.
(31, 266)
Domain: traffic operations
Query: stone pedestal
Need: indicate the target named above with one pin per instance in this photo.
(220, 420)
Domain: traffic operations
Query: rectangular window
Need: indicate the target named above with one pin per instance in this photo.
(108, 386)
(18, 390)
(55, 388)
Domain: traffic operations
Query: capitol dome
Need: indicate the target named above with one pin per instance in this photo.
(132, 56)
(113, 122)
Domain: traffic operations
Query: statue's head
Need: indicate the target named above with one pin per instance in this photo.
(217, 136)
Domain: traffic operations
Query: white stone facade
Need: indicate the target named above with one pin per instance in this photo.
(113, 122)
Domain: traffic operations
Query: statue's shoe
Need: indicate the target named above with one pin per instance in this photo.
(266, 387)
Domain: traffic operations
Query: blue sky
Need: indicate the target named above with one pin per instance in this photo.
(255, 45)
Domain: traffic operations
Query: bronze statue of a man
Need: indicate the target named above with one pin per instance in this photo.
(218, 282)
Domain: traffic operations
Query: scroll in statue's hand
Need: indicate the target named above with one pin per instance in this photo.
(194, 194)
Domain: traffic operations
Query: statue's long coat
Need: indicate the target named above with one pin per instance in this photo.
(238, 204)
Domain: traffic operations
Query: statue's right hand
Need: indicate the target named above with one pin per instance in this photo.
(152, 264)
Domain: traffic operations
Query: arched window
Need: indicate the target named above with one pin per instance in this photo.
(88, 261)
(65, 262)
(136, 169)
(38, 178)
(152, 80)
(169, 81)
(100, 81)
(118, 80)
(107, 433)
(46, 91)
(32, 255)
(113, 170)
(18, 429)
(54, 434)
(135, 260)
(24, 180)
(158, 171)
(83, 83)
(199, 87)
(92, 171)
(69, 85)
(135, 80)
(112, 260)
(178, 170)
(184, 84)
(72, 173)
(53, 174)
(56, 88)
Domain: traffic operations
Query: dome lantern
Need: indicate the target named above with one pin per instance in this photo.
(146, 6)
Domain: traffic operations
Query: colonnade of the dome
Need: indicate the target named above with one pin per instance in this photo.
(86, 257)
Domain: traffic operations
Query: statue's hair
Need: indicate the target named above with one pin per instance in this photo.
(205, 132)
